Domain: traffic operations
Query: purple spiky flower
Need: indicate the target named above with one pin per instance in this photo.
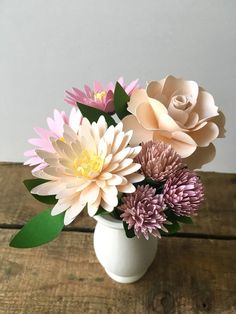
(158, 160)
(183, 192)
(143, 210)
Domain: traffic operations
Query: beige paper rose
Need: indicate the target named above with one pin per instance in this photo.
(175, 111)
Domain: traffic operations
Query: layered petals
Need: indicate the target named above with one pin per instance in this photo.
(55, 131)
(175, 111)
(99, 97)
(89, 168)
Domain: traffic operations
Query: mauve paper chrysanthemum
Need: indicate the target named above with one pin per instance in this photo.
(158, 160)
(100, 97)
(143, 210)
(183, 192)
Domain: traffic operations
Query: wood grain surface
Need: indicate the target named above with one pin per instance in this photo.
(187, 276)
(194, 271)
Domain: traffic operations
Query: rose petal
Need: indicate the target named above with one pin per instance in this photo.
(140, 134)
(205, 106)
(146, 117)
(174, 86)
(167, 123)
(193, 119)
(138, 96)
(154, 89)
(220, 122)
(204, 136)
(182, 143)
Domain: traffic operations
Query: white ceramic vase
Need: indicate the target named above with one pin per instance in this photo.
(125, 260)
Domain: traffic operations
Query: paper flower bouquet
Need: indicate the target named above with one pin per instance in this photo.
(123, 152)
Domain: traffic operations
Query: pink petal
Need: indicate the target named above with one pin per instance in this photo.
(78, 93)
(43, 133)
(30, 153)
(121, 81)
(88, 91)
(133, 85)
(97, 86)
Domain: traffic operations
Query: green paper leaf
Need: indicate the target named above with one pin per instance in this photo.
(41, 229)
(185, 219)
(31, 183)
(101, 212)
(171, 216)
(93, 114)
(129, 232)
(158, 185)
(173, 228)
(120, 101)
(116, 213)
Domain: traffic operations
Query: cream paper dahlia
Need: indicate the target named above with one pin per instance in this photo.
(89, 168)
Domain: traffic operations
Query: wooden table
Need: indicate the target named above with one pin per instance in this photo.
(194, 271)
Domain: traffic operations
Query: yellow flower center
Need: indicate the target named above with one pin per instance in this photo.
(62, 139)
(88, 164)
(99, 96)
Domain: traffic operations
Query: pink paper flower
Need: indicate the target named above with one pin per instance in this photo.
(143, 210)
(100, 97)
(158, 160)
(56, 129)
(183, 192)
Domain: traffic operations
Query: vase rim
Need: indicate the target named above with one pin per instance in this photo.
(109, 221)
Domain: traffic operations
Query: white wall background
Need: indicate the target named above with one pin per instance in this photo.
(47, 46)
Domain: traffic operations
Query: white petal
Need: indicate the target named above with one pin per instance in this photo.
(130, 169)
(135, 151)
(95, 132)
(118, 128)
(42, 175)
(102, 148)
(111, 200)
(75, 119)
(135, 177)
(109, 135)
(117, 142)
(105, 176)
(112, 166)
(73, 212)
(45, 155)
(48, 188)
(127, 137)
(54, 171)
(66, 193)
(107, 161)
(107, 207)
(60, 207)
(102, 125)
(124, 164)
(121, 155)
(127, 188)
(115, 180)
(92, 208)
(110, 189)
(90, 193)
(69, 135)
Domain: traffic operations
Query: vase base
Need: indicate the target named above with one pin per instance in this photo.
(125, 279)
